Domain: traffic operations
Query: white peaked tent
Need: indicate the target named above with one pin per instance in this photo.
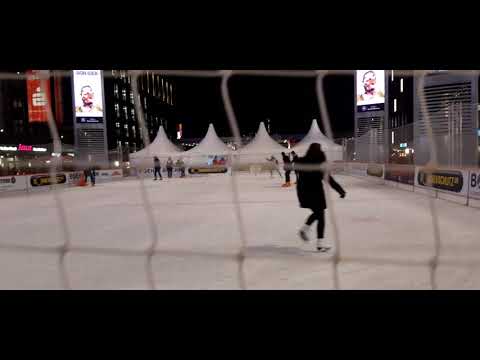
(262, 144)
(211, 145)
(261, 147)
(161, 147)
(333, 151)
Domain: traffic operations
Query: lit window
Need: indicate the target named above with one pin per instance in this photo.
(124, 94)
(394, 105)
(401, 85)
(392, 75)
(163, 92)
(167, 100)
(117, 125)
(125, 127)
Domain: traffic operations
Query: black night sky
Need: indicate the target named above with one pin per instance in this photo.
(289, 103)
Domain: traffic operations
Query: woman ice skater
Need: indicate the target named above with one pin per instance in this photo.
(311, 194)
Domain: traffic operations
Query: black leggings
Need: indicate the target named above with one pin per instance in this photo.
(318, 215)
(287, 176)
(157, 171)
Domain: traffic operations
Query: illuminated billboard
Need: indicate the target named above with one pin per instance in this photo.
(38, 95)
(370, 90)
(88, 95)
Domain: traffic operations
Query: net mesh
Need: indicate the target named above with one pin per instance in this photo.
(160, 261)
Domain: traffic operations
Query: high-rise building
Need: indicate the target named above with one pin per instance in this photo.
(451, 99)
(157, 98)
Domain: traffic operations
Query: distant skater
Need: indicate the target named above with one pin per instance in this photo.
(311, 194)
(157, 168)
(180, 165)
(170, 167)
(295, 158)
(287, 166)
(274, 166)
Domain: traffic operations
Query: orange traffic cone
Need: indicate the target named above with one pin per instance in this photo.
(82, 181)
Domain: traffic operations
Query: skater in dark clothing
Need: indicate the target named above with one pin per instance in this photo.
(287, 166)
(169, 167)
(157, 168)
(295, 158)
(311, 194)
(274, 166)
(86, 173)
(89, 172)
(93, 175)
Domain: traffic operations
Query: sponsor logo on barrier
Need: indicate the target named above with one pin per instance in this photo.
(74, 177)
(215, 170)
(375, 170)
(475, 184)
(45, 180)
(11, 180)
(443, 180)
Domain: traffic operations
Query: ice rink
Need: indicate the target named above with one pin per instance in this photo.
(386, 237)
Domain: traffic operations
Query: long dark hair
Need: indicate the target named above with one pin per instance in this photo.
(315, 154)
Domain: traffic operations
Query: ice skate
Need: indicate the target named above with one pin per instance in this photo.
(321, 247)
(303, 233)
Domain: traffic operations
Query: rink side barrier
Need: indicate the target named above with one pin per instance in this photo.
(453, 184)
(42, 181)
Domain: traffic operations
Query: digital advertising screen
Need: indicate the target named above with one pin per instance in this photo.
(88, 95)
(370, 90)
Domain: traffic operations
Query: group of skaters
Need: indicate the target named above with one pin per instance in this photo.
(169, 165)
(310, 172)
(289, 161)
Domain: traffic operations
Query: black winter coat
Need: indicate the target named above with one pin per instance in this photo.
(310, 188)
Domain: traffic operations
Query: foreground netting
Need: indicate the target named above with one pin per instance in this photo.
(241, 255)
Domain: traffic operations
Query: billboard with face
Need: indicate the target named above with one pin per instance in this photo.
(370, 90)
(88, 93)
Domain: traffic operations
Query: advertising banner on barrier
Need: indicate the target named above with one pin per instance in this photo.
(450, 181)
(13, 183)
(404, 174)
(376, 170)
(474, 182)
(73, 178)
(108, 175)
(44, 180)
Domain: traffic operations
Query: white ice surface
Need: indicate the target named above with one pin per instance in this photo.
(199, 236)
